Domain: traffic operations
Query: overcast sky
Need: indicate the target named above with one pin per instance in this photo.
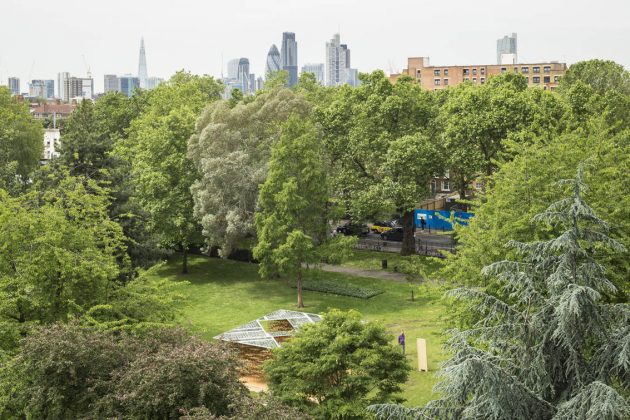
(40, 38)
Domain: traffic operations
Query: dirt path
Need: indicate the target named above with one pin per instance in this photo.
(359, 272)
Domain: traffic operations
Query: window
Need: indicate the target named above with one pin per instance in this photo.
(445, 72)
(446, 185)
(466, 72)
(418, 73)
(437, 82)
(547, 69)
(524, 69)
(536, 79)
(482, 71)
(433, 186)
(474, 72)
(536, 69)
(474, 80)
(547, 79)
(466, 79)
(483, 80)
(503, 69)
(515, 70)
(436, 72)
(556, 79)
(445, 82)
(526, 79)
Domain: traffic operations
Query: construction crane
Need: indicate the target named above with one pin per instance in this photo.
(87, 67)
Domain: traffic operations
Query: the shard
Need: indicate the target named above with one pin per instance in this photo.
(142, 66)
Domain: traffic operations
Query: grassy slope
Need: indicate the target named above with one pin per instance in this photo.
(223, 294)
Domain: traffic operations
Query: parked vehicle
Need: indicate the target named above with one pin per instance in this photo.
(381, 226)
(394, 234)
(353, 229)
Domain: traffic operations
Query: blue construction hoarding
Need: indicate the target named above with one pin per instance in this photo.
(439, 219)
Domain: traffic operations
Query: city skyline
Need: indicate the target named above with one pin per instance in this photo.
(380, 38)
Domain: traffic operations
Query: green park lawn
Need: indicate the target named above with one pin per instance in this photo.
(223, 294)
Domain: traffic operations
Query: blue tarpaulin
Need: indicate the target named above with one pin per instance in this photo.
(438, 223)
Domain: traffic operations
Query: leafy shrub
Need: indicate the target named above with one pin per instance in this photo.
(71, 371)
(337, 367)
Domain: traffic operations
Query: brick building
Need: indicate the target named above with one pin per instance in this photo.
(544, 75)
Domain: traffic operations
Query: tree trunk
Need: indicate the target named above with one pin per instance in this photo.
(409, 238)
(184, 259)
(300, 300)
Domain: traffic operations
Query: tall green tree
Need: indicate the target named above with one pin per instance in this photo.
(371, 133)
(335, 368)
(601, 75)
(551, 347)
(476, 123)
(157, 150)
(293, 217)
(21, 141)
(60, 255)
(231, 149)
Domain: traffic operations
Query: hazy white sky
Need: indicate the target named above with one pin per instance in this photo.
(40, 38)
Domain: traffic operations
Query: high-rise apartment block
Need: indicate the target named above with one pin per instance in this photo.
(507, 50)
(316, 69)
(61, 85)
(75, 87)
(14, 85)
(288, 56)
(544, 75)
(126, 84)
(42, 89)
(274, 61)
(338, 70)
(110, 83)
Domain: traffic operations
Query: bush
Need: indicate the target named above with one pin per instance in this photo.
(337, 367)
(338, 288)
(71, 371)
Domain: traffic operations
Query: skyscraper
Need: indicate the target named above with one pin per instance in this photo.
(75, 87)
(506, 50)
(336, 56)
(316, 69)
(289, 56)
(62, 93)
(274, 61)
(14, 85)
(110, 83)
(239, 76)
(142, 66)
(127, 84)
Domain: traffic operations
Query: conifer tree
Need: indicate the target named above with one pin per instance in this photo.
(547, 345)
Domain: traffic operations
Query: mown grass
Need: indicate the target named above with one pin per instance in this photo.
(223, 294)
(371, 260)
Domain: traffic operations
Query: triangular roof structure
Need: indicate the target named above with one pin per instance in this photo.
(254, 334)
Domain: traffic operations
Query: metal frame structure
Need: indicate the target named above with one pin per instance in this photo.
(254, 334)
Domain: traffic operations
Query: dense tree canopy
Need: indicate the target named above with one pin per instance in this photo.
(379, 138)
(21, 141)
(601, 75)
(157, 150)
(60, 255)
(230, 149)
(550, 346)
